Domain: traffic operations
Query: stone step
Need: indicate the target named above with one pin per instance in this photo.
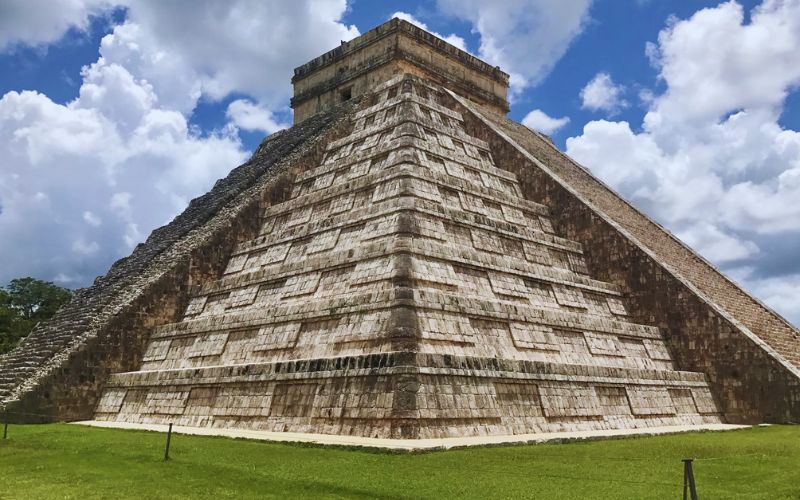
(407, 363)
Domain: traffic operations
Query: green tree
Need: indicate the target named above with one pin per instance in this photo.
(24, 303)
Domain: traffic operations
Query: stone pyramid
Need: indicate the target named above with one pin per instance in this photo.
(406, 262)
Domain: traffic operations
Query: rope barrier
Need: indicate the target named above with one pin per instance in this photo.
(9, 412)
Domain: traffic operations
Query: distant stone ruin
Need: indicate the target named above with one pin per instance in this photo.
(406, 262)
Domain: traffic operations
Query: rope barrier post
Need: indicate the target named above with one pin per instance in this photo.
(688, 480)
(5, 424)
(169, 437)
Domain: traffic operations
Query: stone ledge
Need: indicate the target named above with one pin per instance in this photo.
(398, 363)
(407, 141)
(419, 444)
(404, 167)
(405, 203)
(394, 243)
(400, 118)
(390, 299)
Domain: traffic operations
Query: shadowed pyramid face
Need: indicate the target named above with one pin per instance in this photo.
(408, 289)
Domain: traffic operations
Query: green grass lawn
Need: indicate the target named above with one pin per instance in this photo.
(69, 461)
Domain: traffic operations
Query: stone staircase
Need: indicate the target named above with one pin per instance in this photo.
(41, 346)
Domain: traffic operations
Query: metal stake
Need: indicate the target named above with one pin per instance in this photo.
(169, 437)
(688, 480)
(5, 424)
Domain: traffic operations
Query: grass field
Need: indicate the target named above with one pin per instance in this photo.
(68, 461)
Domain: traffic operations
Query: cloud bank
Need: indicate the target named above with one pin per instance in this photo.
(711, 159)
(84, 182)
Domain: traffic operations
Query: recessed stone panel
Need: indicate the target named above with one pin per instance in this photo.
(242, 296)
(275, 337)
(533, 336)
(293, 400)
(682, 400)
(236, 264)
(323, 241)
(657, 349)
(617, 306)
(372, 270)
(157, 350)
(569, 401)
(650, 401)
(271, 255)
(111, 401)
(301, 284)
(486, 241)
(196, 305)
(603, 345)
(567, 296)
(208, 345)
(508, 284)
(704, 401)
(445, 327)
(166, 402)
(613, 400)
(434, 271)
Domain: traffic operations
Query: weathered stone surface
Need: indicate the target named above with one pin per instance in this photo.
(380, 250)
(749, 353)
(412, 265)
(59, 370)
(396, 47)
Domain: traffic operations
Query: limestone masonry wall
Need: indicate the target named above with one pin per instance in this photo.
(406, 288)
(749, 353)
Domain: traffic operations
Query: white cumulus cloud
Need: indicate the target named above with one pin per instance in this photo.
(248, 115)
(81, 183)
(601, 93)
(37, 22)
(711, 159)
(68, 168)
(186, 49)
(779, 292)
(524, 37)
(542, 122)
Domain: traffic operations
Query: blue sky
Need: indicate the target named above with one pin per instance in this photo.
(114, 114)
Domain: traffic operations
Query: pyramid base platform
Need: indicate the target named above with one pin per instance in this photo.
(410, 396)
(418, 444)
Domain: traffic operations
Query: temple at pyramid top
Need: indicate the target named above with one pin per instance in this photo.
(393, 48)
